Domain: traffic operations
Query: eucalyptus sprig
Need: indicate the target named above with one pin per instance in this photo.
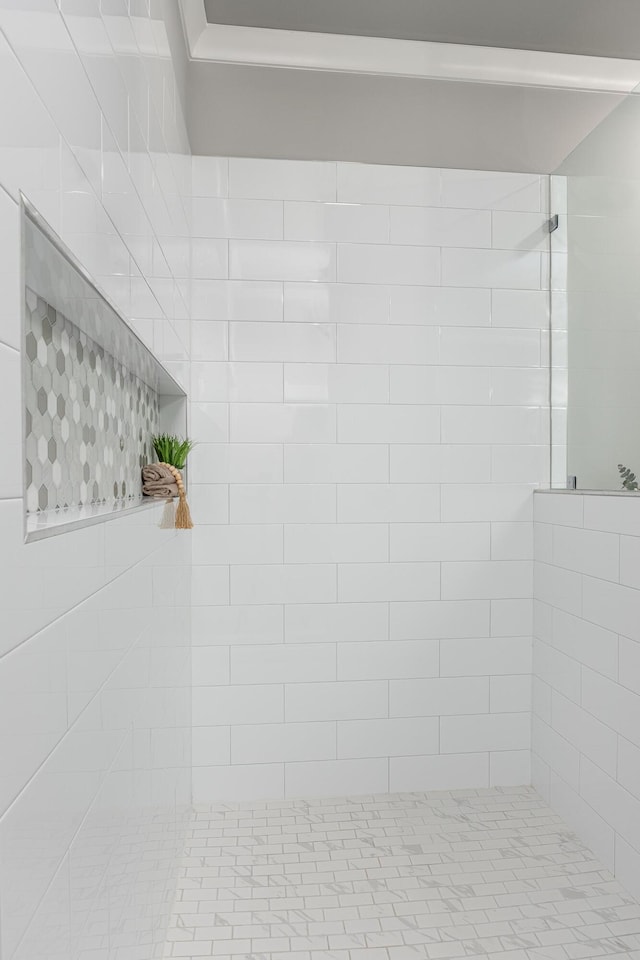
(172, 450)
(629, 480)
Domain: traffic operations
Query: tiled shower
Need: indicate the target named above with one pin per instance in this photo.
(309, 728)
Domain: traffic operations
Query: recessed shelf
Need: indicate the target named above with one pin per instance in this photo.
(93, 393)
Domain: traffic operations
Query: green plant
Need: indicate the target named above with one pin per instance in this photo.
(172, 450)
(629, 481)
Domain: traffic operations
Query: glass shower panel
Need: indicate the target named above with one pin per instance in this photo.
(595, 302)
(558, 330)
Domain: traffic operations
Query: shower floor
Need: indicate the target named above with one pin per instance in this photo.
(474, 873)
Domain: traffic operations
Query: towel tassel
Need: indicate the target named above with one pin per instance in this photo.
(183, 514)
(168, 520)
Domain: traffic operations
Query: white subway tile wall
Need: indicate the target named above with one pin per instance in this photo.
(586, 664)
(95, 672)
(370, 396)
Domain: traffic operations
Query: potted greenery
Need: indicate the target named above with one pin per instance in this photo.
(164, 479)
(172, 450)
(628, 478)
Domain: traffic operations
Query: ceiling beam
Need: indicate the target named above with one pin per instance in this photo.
(379, 56)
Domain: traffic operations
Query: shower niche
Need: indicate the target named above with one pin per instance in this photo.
(93, 393)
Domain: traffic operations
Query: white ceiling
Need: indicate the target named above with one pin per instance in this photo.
(607, 28)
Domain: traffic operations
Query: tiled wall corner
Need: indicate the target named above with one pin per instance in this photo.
(586, 696)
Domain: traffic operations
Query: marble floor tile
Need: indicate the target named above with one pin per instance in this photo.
(476, 873)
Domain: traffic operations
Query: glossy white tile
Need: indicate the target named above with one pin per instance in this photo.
(358, 183)
(209, 421)
(470, 657)
(380, 263)
(283, 503)
(209, 585)
(336, 543)
(388, 581)
(587, 551)
(357, 700)
(235, 382)
(387, 660)
(520, 308)
(336, 222)
(383, 423)
(435, 306)
(282, 179)
(336, 303)
(286, 260)
(492, 579)
(336, 622)
(209, 340)
(209, 259)
(512, 541)
(518, 386)
(395, 737)
(499, 501)
(364, 343)
(292, 342)
(210, 746)
(11, 429)
(359, 777)
(491, 268)
(209, 176)
(439, 697)
(209, 502)
(283, 423)
(237, 300)
(491, 191)
(237, 624)
(497, 425)
(508, 731)
(238, 543)
(336, 383)
(440, 227)
(210, 662)
(237, 219)
(388, 503)
(336, 463)
(495, 347)
(415, 463)
(439, 541)
(285, 742)
(415, 384)
(520, 231)
(236, 782)
(286, 663)
(439, 619)
(237, 704)
(447, 771)
(288, 583)
(237, 462)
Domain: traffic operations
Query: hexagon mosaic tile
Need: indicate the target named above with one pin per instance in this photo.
(88, 420)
